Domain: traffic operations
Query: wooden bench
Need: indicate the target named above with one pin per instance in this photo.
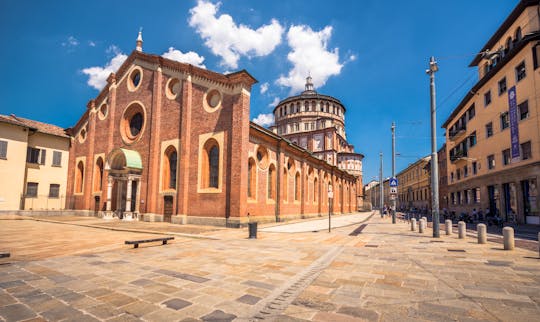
(136, 243)
(5, 255)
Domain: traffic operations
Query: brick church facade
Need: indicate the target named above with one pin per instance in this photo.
(168, 141)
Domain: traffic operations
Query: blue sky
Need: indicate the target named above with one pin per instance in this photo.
(370, 54)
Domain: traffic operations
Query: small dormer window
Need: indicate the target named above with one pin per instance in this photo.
(518, 35)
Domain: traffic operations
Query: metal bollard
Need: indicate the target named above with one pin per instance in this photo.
(413, 224)
(425, 219)
(462, 229)
(448, 226)
(482, 233)
(421, 226)
(538, 245)
(508, 238)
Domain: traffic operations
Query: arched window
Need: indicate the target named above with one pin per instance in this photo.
(285, 185)
(79, 177)
(297, 186)
(271, 182)
(210, 169)
(518, 34)
(252, 173)
(315, 190)
(170, 165)
(98, 175)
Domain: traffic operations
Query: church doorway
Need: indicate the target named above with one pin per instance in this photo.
(123, 188)
(167, 208)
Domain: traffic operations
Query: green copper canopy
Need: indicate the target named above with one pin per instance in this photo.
(133, 159)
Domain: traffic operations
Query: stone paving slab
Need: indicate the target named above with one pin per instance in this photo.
(385, 273)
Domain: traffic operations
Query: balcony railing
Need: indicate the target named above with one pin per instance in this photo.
(457, 132)
(458, 155)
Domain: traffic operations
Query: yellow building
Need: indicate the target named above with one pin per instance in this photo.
(33, 165)
(414, 190)
(493, 136)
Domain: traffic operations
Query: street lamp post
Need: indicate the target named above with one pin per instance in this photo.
(381, 187)
(433, 68)
(394, 170)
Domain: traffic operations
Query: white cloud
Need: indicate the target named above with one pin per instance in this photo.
(97, 75)
(309, 55)
(264, 119)
(70, 43)
(91, 43)
(227, 39)
(113, 49)
(274, 102)
(264, 88)
(189, 58)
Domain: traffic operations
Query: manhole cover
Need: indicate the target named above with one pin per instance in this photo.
(457, 250)
(373, 246)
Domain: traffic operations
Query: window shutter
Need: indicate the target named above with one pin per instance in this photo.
(3, 149)
(43, 154)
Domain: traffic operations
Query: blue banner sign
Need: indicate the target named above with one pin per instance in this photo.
(514, 128)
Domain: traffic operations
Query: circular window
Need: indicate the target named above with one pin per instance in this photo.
(173, 88)
(212, 100)
(135, 79)
(102, 113)
(132, 123)
(262, 157)
(82, 135)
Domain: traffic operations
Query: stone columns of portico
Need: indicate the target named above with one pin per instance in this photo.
(128, 194)
(109, 192)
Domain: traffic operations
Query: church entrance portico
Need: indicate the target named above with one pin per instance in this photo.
(123, 185)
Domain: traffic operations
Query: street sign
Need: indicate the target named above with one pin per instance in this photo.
(393, 190)
(393, 182)
(330, 193)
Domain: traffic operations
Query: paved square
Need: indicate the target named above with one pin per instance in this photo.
(385, 272)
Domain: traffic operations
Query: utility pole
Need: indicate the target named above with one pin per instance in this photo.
(381, 187)
(434, 163)
(394, 170)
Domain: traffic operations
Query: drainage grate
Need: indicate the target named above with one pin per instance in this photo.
(456, 250)
(436, 241)
(281, 298)
(373, 246)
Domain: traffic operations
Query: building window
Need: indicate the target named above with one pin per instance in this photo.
(297, 187)
(453, 198)
(472, 139)
(315, 190)
(521, 72)
(57, 159)
(271, 182)
(460, 201)
(517, 36)
(476, 195)
(487, 98)
(34, 155)
(31, 189)
(252, 173)
(506, 157)
(505, 121)
(210, 173)
(474, 168)
(3, 149)
(526, 150)
(491, 161)
(502, 86)
(465, 171)
(451, 176)
(471, 112)
(458, 174)
(54, 190)
(489, 129)
(170, 168)
(523, 110)
(98, 175)
(285, 185)
(79, 177)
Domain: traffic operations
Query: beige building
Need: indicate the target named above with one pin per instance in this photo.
(414, 190)
(493, 135)
(33, 164)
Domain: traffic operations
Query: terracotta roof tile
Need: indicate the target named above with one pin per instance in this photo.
(39, 126)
